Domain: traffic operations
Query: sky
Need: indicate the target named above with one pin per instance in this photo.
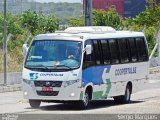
(71, 1)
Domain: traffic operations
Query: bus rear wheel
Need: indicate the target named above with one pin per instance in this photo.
(124, 98)
(34, 103)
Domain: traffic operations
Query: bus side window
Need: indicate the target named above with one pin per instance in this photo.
(133, 50)
(141, 48)
(106, 52)
(114, 51)
(88, 60)
(124, 54)
(97, 52)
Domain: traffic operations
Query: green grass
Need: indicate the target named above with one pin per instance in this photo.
(15, 61)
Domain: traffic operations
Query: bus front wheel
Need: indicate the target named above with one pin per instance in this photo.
(34, 103)
(85, 103)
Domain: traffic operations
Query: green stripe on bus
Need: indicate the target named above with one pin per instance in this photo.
(81, 96)
(108, 86)
(97, 95)
(108, 82)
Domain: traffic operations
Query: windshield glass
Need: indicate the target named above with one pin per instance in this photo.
(54, 54)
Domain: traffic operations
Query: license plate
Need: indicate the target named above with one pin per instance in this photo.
(47, 89)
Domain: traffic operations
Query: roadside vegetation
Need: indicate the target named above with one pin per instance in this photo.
(36, 23)
(19, 26)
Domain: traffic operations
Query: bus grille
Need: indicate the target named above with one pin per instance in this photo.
(53, 93)
(48, 83)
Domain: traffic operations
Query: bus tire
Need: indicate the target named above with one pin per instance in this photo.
(124, 99)
(127, 97)
(34, 103)
(85, 103)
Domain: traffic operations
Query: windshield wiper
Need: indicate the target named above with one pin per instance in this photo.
(43, 66)
(63, 66)
(39, 66)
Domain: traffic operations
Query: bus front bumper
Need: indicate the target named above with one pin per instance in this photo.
(62, 93)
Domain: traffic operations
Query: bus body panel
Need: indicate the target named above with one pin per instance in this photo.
(111, 80)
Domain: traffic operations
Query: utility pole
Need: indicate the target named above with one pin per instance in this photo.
(21, 6)
(88, 12)
(158, 42)
(5, 45)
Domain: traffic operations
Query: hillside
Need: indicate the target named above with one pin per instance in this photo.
(63, 11)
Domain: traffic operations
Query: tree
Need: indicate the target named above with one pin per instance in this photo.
(13, 27)
(39, 23)
(150, 17)
(107, 18)
(101, 18)
(52, 24)
(30, 20)
(76, 22)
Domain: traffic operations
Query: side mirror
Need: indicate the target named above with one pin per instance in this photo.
(25, 49)
(88, 49)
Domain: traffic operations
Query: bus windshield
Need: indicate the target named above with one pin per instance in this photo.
(54, 54)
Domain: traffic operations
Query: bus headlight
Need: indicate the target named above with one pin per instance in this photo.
(70, 82)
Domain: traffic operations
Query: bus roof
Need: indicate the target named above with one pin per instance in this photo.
(84, 33)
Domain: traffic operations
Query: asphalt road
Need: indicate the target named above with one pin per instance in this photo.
(146, 101)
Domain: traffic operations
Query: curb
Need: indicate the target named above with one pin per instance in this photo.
(154, 70)
(10, 88)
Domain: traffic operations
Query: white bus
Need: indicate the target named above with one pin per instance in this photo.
(82, 64)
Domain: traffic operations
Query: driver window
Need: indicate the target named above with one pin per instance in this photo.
(88, 60)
